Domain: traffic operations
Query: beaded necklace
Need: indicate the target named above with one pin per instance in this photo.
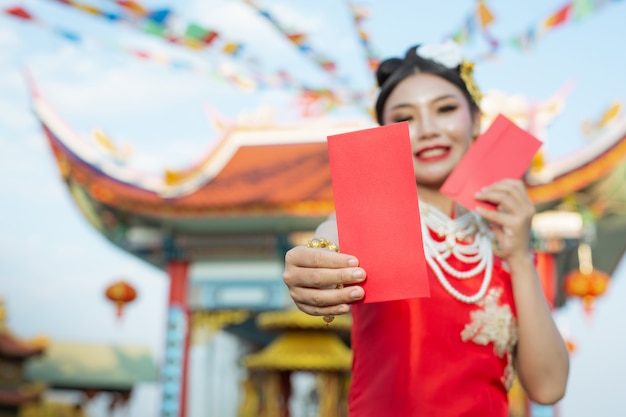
(466, 239)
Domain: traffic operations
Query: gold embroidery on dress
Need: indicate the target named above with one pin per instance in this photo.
(494, 323)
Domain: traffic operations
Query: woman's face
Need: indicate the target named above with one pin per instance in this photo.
(441, 124)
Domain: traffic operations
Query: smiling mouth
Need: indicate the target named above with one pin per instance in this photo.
(431, 153)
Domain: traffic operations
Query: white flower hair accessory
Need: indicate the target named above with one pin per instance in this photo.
(448, 53)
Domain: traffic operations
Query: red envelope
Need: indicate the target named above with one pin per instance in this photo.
(503, 151)
(377, 210)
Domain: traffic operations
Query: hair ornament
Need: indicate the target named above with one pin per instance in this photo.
(448, 53)
(466, 71)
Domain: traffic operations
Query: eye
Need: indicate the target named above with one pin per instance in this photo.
(448, 108)
(401, 118)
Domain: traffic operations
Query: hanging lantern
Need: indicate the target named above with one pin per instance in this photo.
(120, 293)
(587, 282)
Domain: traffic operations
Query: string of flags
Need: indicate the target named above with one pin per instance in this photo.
(134, 15)
(216, 73)
(478, 21)
(593, 128)
(359, 14)
(299, 39)
(247, 76)
(162, 23)
(158, 22)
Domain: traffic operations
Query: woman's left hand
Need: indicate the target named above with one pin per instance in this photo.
(511, 221)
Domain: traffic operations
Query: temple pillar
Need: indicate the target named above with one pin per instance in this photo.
(174, 373)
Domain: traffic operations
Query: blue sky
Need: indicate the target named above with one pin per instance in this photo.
(55, 267)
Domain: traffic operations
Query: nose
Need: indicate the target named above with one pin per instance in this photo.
(426, 127)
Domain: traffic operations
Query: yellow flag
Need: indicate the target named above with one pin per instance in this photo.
(485, 17)
(610, 114)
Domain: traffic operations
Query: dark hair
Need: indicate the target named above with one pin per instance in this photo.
(392, 71)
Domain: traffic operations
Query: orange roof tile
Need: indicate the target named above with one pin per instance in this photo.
(282, 178)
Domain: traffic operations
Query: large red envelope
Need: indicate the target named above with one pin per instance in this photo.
(377, 210)
(503, 151)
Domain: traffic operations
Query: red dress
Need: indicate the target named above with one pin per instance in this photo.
(437, 356)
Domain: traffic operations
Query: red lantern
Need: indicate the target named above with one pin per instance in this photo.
(587, 286)
(588, 282)
(120, 293)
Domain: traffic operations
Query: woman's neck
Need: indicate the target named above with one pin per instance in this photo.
(441, 201)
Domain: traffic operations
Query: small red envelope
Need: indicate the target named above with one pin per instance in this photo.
(377, 210)
(503, 151)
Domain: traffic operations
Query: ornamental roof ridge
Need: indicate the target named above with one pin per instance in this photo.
(174, 184)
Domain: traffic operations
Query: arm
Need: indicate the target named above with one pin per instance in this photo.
(312, 275)
(542, 359)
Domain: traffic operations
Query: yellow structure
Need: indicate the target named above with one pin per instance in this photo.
(306, 344)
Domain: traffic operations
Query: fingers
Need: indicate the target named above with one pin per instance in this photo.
(319, 258)
(312, 276)
(318, 302)
(320, 278)
(510, 197)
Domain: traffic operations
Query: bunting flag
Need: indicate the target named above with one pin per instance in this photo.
(198, 38)
(591, 129)
(19, 12)
(475, 23)
(575, 10)
(157, 23)
(480, 18)
(359, 14)
(312, 99)
(561, 16)
(237, 79)
(300, 40)
(485, 17)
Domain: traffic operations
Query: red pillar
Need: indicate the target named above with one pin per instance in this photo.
(546, 269)
(174, 384)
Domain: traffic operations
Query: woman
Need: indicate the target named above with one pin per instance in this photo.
(455, 353)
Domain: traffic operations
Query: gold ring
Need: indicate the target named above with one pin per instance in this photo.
(320, 242)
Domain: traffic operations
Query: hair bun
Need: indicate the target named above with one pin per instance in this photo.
(411, 53)
(386, 68)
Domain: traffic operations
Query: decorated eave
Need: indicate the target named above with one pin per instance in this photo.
(306, 343)
(252, 172)
(14, 348)
(580, 169)
(25, 394)
(257, 182)
(581, 197)
(273, 180)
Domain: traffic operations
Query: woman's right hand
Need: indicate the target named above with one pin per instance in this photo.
(312, 276)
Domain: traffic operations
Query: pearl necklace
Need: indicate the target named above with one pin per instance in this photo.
(478, 250)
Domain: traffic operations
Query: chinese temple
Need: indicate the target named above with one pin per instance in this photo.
(220, 230)
(16, 391)
(90, 369)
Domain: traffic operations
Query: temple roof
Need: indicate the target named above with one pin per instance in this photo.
(296, 319)
(87, 365)
(303, 351)
(262, 171)
(272, 169)
(24, 394)
(12, 347)
(580, 169)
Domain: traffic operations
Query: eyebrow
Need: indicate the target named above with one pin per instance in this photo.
(440, 98)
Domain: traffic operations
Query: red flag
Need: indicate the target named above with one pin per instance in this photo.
(19, 12)
(559, 17)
